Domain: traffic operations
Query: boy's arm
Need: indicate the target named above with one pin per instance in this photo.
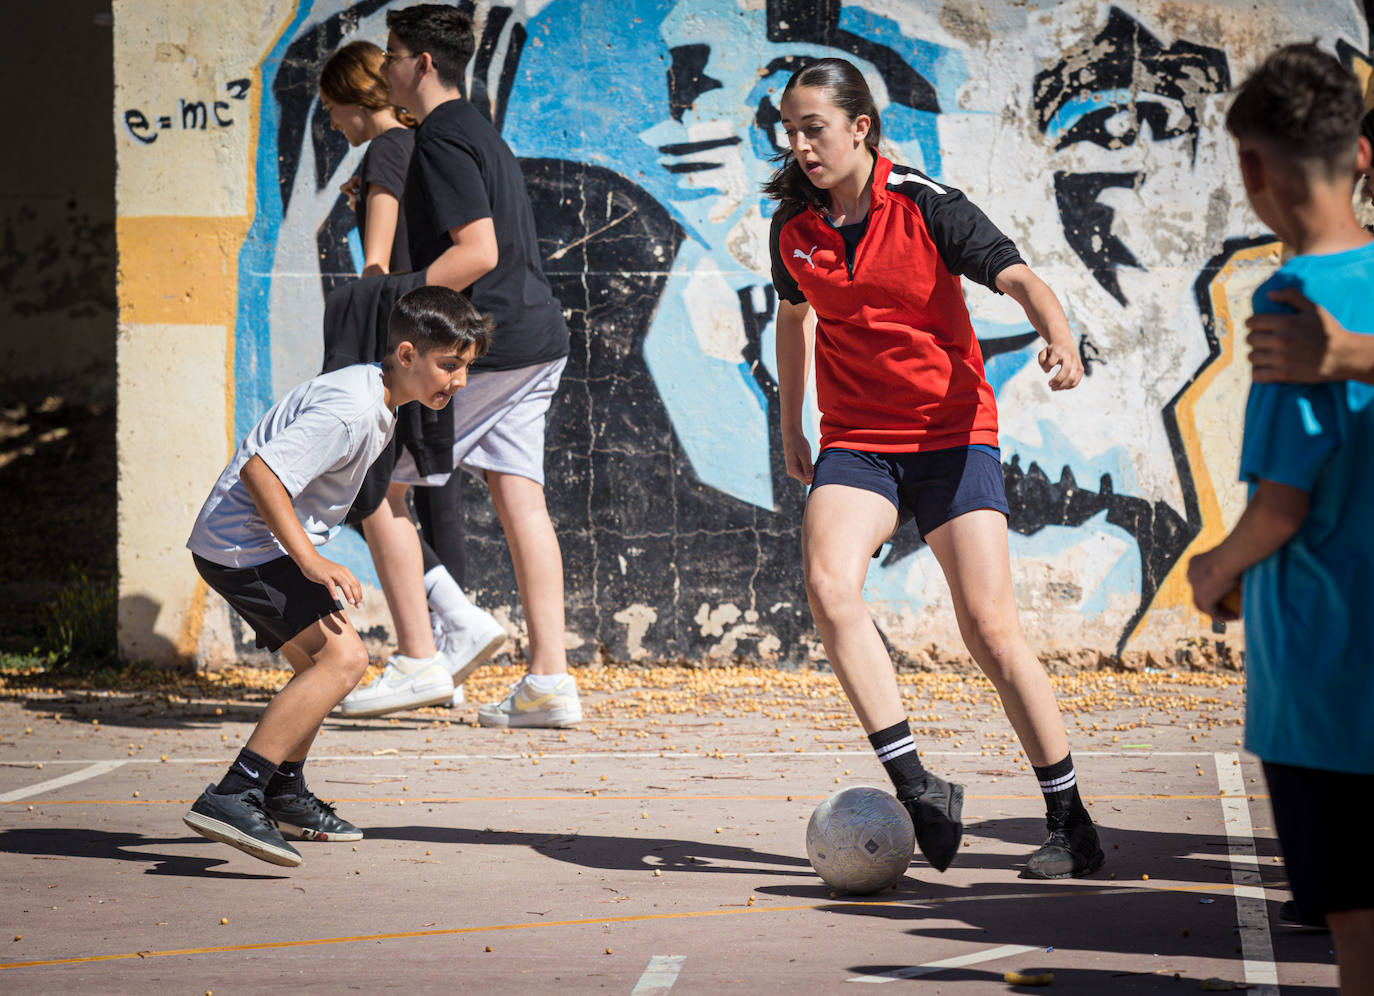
(1047, 315)
(794, 344)
(274, 505)
(1271, 518)
(1307, 345)
(472, 256)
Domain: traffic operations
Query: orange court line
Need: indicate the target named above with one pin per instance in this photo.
(456, 931)
(585, 797)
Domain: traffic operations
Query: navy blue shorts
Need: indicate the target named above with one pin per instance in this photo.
(275, 598)
(930, 486)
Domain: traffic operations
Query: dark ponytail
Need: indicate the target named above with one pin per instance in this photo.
(845, 87)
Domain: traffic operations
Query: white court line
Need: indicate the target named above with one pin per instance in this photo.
(1252, 911)
(96, 768)
(659, 975)
(581, 755)
(931, 967)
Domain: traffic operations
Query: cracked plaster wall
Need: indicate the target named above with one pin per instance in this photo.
(1090, 132)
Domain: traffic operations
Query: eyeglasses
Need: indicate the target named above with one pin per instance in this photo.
(388, 57)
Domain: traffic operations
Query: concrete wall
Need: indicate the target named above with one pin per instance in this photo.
(1091, 132)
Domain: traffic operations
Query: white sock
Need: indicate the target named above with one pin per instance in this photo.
(443, 594)
(409, 665)
(545, 682)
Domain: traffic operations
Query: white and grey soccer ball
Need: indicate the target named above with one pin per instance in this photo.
(860, 840)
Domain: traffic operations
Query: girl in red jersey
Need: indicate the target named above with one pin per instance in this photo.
(908, 430)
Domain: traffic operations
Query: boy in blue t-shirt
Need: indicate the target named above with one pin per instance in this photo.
(256, 542)
(1305, 543)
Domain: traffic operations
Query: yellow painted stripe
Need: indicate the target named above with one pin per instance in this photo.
(179, 271)
(1051, 892)
(623, 798)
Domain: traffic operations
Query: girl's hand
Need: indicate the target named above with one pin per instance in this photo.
(336, 577)
(1305, 346)
(351, 188)
(1062, 353)
(796, 450)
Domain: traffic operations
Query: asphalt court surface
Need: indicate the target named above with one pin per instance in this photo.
(659, 848)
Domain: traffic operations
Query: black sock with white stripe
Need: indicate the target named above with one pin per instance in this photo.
(897, 751)
(1060, 785)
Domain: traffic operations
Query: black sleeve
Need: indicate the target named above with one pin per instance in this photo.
(386, 162)
(782, 280)
(455, 191)
(970, 244)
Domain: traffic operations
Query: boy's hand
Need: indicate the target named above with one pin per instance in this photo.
(1062, 353)
(1212, 583)
(796, 451)
(336, 577)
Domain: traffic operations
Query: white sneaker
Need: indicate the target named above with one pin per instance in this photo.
(460, 698)
(528, 706)
(394, 690)
(465, 645)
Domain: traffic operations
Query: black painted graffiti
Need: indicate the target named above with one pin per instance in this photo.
(191, 115)
(1131, 81)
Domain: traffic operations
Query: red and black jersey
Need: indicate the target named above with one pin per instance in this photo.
(897, 365)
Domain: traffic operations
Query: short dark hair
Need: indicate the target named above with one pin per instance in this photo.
(845, 87)
(442, 31)
(437, 318)
(1304, 100)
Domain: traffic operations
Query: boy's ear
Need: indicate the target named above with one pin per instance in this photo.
(1364, 158)
(406, 352)
(1252, 170)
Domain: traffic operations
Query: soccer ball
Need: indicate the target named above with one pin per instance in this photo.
(860, 840)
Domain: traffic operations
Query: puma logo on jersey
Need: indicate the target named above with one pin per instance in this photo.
(798, 254)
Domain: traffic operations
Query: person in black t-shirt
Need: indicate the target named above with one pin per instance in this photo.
(471, 228)
(353, 91)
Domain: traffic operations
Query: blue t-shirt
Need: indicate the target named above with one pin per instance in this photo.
(1309, 608)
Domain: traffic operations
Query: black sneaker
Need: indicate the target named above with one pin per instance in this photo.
(307, 817)
(935, 813)
(1070, 851)
(239, 820)
(1291, 915)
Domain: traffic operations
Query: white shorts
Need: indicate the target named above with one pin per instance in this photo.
(498, 424)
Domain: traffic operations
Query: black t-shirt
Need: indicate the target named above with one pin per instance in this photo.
(462, 171)
(385, 163)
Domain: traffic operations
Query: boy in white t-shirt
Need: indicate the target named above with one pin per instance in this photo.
(284, 492)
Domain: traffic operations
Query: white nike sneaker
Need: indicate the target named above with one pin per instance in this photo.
(460, 698)
(394, 690)
(528, 706)
(465, 645)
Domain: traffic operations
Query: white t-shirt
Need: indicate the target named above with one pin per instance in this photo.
(319, 440)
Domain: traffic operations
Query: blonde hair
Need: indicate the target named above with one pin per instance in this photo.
(353, 75)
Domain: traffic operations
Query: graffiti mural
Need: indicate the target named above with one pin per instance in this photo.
(1091, 133)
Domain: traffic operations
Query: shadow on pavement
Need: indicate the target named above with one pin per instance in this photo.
(114, 846)
(629, 853)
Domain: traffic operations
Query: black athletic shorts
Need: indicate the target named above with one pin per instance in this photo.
(930, 486)
(1323, 819)
(275, 598)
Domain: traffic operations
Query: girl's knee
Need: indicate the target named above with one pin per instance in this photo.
(829, 594)
(998, 646)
